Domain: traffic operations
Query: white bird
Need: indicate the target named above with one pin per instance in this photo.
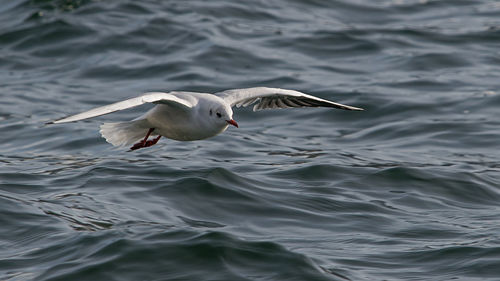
(189, 116)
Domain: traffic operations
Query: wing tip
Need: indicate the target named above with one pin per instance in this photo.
(58, 121)
(67, 119)
(355, 108)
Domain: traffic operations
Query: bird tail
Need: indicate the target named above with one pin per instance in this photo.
(124, 133)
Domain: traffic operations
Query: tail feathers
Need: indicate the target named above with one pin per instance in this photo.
(123, 133)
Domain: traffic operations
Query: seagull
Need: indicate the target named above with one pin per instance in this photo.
(190, 116)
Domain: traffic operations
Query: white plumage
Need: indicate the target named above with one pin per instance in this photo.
(188, 116)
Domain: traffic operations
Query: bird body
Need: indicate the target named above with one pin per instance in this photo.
(189, 116)
(170, 120)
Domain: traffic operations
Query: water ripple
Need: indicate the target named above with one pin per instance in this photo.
(405, 190)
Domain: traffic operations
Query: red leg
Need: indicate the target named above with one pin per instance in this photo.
(152, 142)
(144, 142)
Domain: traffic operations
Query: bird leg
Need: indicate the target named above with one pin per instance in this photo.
(145, 142)
(152, 142)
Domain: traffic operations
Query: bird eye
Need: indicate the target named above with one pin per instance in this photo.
(219, 115)
(210, 112)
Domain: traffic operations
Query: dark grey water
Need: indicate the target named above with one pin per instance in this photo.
(409, 189)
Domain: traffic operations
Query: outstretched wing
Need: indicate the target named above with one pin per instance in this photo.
(153, 97)
(268, 98)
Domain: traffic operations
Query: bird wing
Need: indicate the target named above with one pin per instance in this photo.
(268, 98)
(153, 97)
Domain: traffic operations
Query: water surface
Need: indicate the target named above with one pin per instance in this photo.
(406, 190)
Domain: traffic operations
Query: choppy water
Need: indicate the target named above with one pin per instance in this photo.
(406, 190)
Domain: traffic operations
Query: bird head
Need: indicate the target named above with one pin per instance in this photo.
(222, 115)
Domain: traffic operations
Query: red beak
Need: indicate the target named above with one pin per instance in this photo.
(232, 122)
